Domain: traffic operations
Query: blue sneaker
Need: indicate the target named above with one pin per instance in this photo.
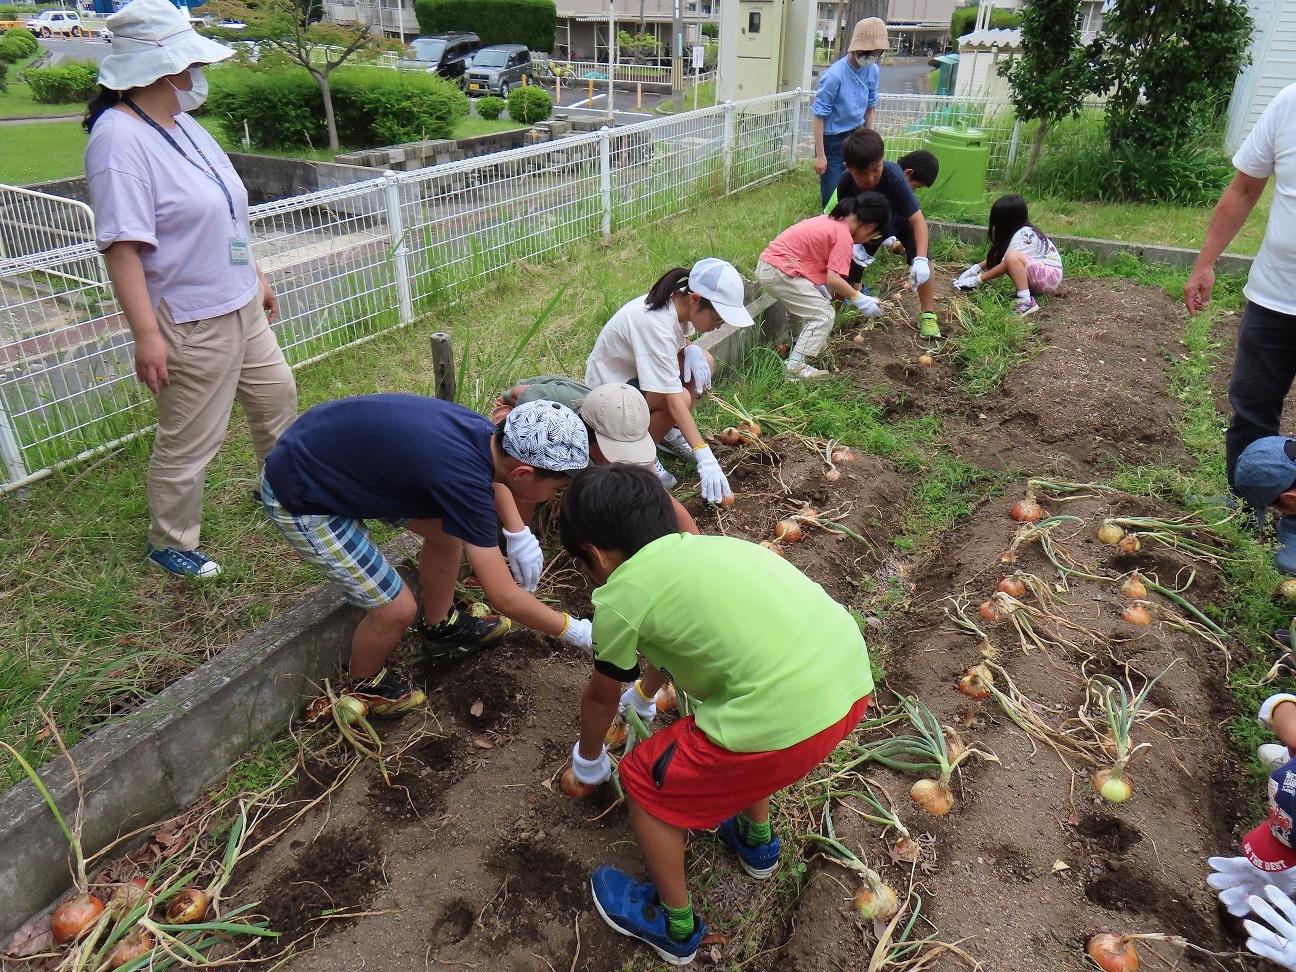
(634, 910)
(760, 861)
(1285, 558)
(184, 563)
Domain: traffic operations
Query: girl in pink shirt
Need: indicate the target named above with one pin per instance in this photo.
(806, 266)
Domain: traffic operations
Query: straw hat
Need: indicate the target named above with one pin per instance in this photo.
(870, 35)
(153, 39)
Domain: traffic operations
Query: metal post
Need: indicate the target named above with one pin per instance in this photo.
(590, 104)
(728, 143)
(639, 96)
(605, 177)
(796, 128)
(557, 90)
(614, 55)
(10, 450)
(1012, 146)
(443, 369)
(400, 252)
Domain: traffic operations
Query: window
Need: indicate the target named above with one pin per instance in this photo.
(753, 22)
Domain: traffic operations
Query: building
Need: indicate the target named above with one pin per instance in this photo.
(916, 27)
(980, 54)
(1272, 67)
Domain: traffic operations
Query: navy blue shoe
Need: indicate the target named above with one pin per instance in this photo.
(635, 911)
(183, 563)
(760, 861)
(1285, 558)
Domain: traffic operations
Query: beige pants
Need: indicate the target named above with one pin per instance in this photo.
(802, 301)
(211, 363)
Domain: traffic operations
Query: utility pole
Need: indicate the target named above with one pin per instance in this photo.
(677, 60)
(614, 51)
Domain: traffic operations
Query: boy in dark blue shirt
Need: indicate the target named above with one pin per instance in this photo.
(431, 467)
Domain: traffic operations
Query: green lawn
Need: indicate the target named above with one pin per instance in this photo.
(17, 101)
(41, 151)
(706, 97)
(473, 126)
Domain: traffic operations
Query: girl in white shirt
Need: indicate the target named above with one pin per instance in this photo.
(1020, 250)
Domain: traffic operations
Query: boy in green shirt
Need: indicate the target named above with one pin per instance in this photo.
(778, 669)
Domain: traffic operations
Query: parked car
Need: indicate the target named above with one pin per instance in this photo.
(444, 54)
(496, 69)
(52, 22)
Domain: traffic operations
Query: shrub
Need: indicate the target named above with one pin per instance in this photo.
(964, 20)
(490, 107)
(77, 81)
(23, 38)
(12, 50)
(711, 30)
(4, 72)
(529, 22)
(529, 105)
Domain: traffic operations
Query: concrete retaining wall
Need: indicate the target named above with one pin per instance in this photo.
(269, 177)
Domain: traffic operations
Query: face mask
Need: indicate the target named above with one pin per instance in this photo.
(197, 93)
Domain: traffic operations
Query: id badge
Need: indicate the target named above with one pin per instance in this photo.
(240, 252)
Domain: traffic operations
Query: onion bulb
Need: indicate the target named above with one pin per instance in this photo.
(127, 895)
(782, 350)
(955, 747)
(1110, 534)
(1108, 744)
(1133, 587)
(1287, 588)
(845, 455)
(876, 902)
(933, 796)
(187, 907)
(976, 683)
(749, 429)
(727, 499)
(730, 436)
(615, 736)
(137, 943)
(574, 787)
(1137, 614)
(832, 474)
(1112, 786)
(74, 917)
(348, 709)
(1027, 510)
(906, 849)
(666, 698)
(1012, 586)
(858, 339)
(773, 546)
(925, 360)
(1130, 543)
(1112, 953)
(789, 531)
(990, 610)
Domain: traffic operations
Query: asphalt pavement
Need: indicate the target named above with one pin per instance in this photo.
(76, 48)
(905, 75)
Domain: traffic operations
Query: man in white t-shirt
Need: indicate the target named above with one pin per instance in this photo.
(1265, 364)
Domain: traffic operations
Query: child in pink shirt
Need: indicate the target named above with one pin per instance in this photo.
(806, 266)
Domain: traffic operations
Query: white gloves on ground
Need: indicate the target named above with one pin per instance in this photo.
(1277, 941)
(591, 772)
(714, 485)
(969, 279)
(919, 271)
(697, 367)
(1236, 878)
(579, 632)
(632, 698)
(867, 304)
(860, 255)
(526, 559)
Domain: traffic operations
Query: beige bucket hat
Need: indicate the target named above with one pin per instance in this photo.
(870, 35)
(153, 39)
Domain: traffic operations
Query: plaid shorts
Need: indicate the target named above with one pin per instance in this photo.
(342, 548)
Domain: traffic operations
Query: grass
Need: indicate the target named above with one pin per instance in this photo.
(472, 126)
(17, 101)
(41, 151)
(705, 93)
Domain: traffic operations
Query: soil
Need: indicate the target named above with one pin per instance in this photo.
(470, 856)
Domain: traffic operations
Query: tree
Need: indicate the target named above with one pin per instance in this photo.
(1053, 73)
(294, 29)
(640, 48)
(1174, 64)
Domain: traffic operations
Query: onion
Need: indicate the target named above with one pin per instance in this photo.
(1130, 543)
(1133, 587)
(1108, 744)
(137, 943)
(574, 787)
(616, 734)
(1027, 510)
(933, 796)
(1008, 557)
(348, 709)
(990, 610)
(1012, 586)
(773, 546)
(74, 917)
(666, 698)
(976, 683)
(906, 849)
(1288, 588)
(1110, 534)
(858, 339)
(782, 350)
(1137, 614)
(876, 902)
(955, 747)
(789, 531)
(127, 895)
(1112, 786)
(845, 455)
(1112, 953)
(832, 474)
(727, 499)
(749, 429)
(187, 907)
(730, 436)
(925, 360)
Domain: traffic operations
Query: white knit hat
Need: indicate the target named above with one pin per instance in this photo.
(153, 39)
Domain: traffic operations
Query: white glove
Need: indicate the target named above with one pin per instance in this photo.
(591, 772)
(823, 289)
(696, 366)
(579, 632)
(714, 485)
(1235, 878)
(632, 698)
(526, 559)
(867, 304)
(860, 255)
(919, 271)
(1277, 942)
(969, 279)
(889, 242)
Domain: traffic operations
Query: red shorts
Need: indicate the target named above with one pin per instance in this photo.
(681, 777)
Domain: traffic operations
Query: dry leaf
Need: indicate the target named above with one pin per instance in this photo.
(1060, 866)
(33, 937)
(478, 708)
(481, 742)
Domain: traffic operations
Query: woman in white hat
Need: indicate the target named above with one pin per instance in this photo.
(845, 99)
(646, 344)
(171, 220)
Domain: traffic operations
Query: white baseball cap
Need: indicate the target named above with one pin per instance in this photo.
(153, 39)
(721, 284)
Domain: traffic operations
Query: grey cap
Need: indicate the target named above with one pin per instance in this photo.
(1264, 470)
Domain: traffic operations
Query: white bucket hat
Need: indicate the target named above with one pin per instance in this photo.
(153, 39)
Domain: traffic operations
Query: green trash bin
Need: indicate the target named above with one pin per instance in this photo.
(964, 156)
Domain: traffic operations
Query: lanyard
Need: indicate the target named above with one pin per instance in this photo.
(209, 171)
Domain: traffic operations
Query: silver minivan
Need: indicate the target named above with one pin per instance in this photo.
(497, 69)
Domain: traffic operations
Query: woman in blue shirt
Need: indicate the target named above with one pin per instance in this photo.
(847, 93)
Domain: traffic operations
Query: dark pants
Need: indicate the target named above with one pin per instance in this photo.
(903, 231)
(836, 167)
(1262, 376)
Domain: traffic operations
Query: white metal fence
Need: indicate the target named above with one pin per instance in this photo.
(351, 262)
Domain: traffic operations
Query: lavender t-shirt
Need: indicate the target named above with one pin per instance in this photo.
(142, 189)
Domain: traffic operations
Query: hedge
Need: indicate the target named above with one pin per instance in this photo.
(12, 50)
(490, 107)
(529, 22)
(529, 105)
(4, 73)
(964, 20)
(65, 84)
(20, 38)
(373, 106)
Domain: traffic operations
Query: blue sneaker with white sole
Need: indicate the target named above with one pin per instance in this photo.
(634, 910)
(760, 861)
(1285, 558)
(184, 563)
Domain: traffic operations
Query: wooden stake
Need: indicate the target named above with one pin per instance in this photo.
(443, 370)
